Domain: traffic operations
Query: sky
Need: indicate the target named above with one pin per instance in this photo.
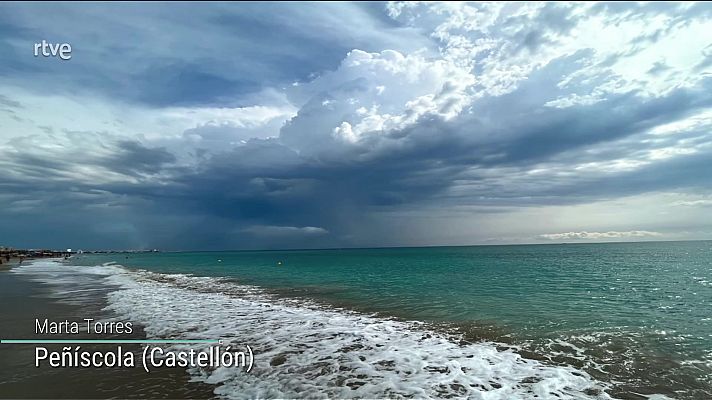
(209, 126)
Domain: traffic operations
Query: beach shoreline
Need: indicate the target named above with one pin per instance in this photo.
(22, 301)
(8, 265)
(193, 296)
(559, 303)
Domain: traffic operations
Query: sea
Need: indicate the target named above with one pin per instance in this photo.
(559, 321)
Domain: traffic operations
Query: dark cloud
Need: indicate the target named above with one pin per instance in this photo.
(132, 157)
(185, 55)
(658, 68)
(266, 183)
(309, 187)
(706, 62)
(535, 30)
(9, 103)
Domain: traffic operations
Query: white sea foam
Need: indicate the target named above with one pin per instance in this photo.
(309, 351)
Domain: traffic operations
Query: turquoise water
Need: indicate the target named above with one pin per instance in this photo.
(638, 314)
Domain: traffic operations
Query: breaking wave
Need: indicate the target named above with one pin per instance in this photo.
(307, 350)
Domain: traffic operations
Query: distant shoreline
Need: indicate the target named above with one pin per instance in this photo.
(23, 299)
(573, 243)
(15, 261)
(8, 265)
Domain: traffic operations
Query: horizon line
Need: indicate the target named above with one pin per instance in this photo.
(385, 247)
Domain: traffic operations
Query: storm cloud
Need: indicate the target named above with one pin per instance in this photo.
(380, 124)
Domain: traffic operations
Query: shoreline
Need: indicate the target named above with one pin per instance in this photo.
(291, 358)
(22, 300)
(243, 307)
(8, 265)
(555, 347)
(183, 296)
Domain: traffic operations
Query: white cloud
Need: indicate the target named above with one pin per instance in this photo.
(583, 235)
(57, 127)
(100, 114)
(507, 42)
(487, 50)
(695, 203)
(372, 94)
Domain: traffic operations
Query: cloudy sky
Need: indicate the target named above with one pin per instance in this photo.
(229, 126)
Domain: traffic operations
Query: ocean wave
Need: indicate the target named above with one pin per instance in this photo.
(305, 350)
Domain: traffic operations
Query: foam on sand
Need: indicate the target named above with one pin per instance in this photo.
(309, 351)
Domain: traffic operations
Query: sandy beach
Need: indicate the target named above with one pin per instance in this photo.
(7, 265)
(21, 301)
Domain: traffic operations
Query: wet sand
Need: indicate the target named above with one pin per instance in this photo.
(21, 301)
(7, 265)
